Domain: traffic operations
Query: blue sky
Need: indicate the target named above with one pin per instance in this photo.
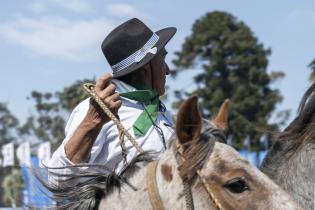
(47, 45)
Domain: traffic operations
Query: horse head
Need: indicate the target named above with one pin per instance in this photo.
(228, 179)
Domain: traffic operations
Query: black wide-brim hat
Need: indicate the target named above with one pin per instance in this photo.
(132, 45)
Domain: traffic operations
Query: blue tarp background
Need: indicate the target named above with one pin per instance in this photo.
(34, 193)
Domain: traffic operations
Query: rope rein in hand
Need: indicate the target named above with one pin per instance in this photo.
(90, 89)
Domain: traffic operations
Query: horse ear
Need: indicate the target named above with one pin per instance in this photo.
(188, 124)
(221, 120)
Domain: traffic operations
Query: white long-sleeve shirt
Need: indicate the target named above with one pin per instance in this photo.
(106, 149)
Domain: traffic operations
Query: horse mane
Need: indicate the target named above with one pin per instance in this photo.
(301, 129)
(299, 132)
(198, 150)
(97, 186)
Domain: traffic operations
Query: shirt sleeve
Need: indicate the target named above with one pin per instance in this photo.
(59, 158)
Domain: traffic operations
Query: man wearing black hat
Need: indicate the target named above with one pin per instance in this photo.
(137, 58)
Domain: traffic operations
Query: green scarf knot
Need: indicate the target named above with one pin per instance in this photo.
(147, 118)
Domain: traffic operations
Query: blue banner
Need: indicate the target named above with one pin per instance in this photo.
(34, 193)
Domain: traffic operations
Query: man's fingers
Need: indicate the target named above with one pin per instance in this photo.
(103, 81)
(114, 103)
(107, 92)
(113, 98)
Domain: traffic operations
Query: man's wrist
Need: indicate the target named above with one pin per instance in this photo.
(91, 125)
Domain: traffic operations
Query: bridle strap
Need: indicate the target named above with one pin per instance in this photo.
(188, 194)
(209, 191)
(153, 191)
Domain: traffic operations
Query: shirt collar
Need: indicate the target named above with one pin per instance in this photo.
(122, 87)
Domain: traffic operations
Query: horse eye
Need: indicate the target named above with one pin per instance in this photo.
(237, 185)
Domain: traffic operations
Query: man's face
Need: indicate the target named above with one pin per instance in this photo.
(158, 71)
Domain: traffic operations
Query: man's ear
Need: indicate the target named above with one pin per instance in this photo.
(147, 67)
(140, 77)
(188, 125)
(146, 75)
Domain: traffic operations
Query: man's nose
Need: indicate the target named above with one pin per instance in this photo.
(167, 70)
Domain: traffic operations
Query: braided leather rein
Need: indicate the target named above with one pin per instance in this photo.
(90, 89)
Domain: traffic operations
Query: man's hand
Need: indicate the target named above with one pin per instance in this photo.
(106, 91)
(79, 146)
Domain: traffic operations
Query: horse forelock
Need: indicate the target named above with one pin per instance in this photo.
(199, 149)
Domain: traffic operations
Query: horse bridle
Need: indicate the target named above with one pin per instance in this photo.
(188, 194)
(155, 199)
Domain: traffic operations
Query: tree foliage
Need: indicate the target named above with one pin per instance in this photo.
(8, 125)
(51, 113)
(72, 95)
(312, 67)
(11, 187)
(46, 123)
(234, 66)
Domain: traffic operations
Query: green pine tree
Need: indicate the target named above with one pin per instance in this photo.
(234, 66)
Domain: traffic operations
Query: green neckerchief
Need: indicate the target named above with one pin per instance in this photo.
(146, 119)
